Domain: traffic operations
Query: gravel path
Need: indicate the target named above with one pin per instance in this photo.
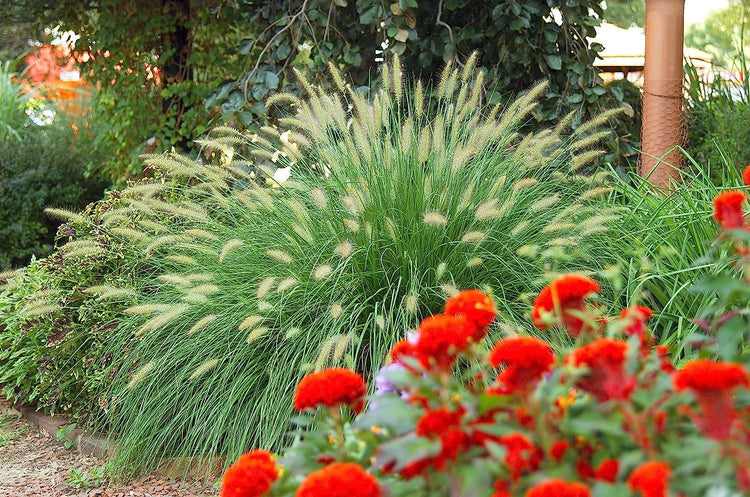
(32, 463)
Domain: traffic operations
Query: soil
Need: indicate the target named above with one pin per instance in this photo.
(32, 463)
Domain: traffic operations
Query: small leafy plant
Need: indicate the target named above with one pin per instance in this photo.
(79, 478)
(62, 435)
(609, 416)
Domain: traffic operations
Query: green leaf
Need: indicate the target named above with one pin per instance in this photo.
(406, 450)
(575, 98)
(390, 412)
(554, 62)
(731, 336)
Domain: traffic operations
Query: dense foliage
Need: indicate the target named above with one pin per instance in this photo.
(609, 416)
(166, 70)
(40, 165)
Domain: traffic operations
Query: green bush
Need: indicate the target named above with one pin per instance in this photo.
(45, 167)
(391, 205)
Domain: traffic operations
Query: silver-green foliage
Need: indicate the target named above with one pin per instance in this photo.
(394, 201)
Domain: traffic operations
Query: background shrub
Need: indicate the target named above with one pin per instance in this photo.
(45, 167)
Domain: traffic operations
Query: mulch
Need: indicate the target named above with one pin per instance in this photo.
(32, 463)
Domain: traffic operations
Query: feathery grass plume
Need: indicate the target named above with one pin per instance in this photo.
(164, 240)
(474, 262)
(342, 343)
(449, 289)
(398, 88)
(265, 286)
(117, 293)
(321, 272)
(150, 225)
(556, 226)
(145, 189)
(411, 303)
(190, 211)
(78, 244)
(474, 237)
(39, 309)
(435, 219)
(597, 121)
(228, 246)
(336, 310)
(250, 322)
(319, 198)
(584, 158)
(205, 289)
(203, 369)
(460, 158)
(162, 319)
(282, 99)
(65, 215)
(141, 374)
(498, 184)
(131, 234)
(344, 249)
(202, 323)
(168, 163)
(182, 259)
(324, 353)
(469, 66)
(596, 192)
(256, 333)
(598, 220)
(487, 210)
(200, 233)
(8, 274)
(418, 100)
(544, 203)
(303, 232)
(287, 284)
(440, 270)
(279, 256)
(84, 251)
(524, 183)
(352, 204)
(292, 332)
(336, 76)
(562, 242)
(444, 77)
(466, 197)
(520, 227)
(423, 146)
(438, 136)
(589, 140)
(143, 309)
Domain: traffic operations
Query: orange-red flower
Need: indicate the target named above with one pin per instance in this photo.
(650, 479)
(476, 307)
(558, 488)
(634, 318)
(606, 378)
(728, 209)
(562, 296)
(558, 449)
(712, 383)
(526, 359)
(442, 338)
(339, 480)
(746, 175)
(250, 476)
(520, 454)
(330, 387)
(444, 425)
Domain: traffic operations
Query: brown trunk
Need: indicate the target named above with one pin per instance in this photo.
(176, 67)
(662, 92)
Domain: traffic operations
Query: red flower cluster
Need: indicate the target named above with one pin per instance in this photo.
(562, 296)
(650, 479)
(474, 306)
(606, 378)
(559, 488)
(339, 480)
(746, 175)
(330, 387)
(525, 359)
(728, 209)
(520, 454)
(442, 338)
(634, 319)
(712, 383)
(446, 426)
(250, 476)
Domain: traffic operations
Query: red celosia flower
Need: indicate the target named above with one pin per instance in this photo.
(563, 295)
(606, 378)
(501, 489)
(558, 449)
(728, 209)
(558, 488)
(250, 476)
(445, 425)
(607, 470)
(635, 319)
(476, 307)
(746, 175)
(526, 359)
(520, 454)
(650, 479)
(402, 349)
(712, 383)
(442, 338)
(330, 387)
(339, 480)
